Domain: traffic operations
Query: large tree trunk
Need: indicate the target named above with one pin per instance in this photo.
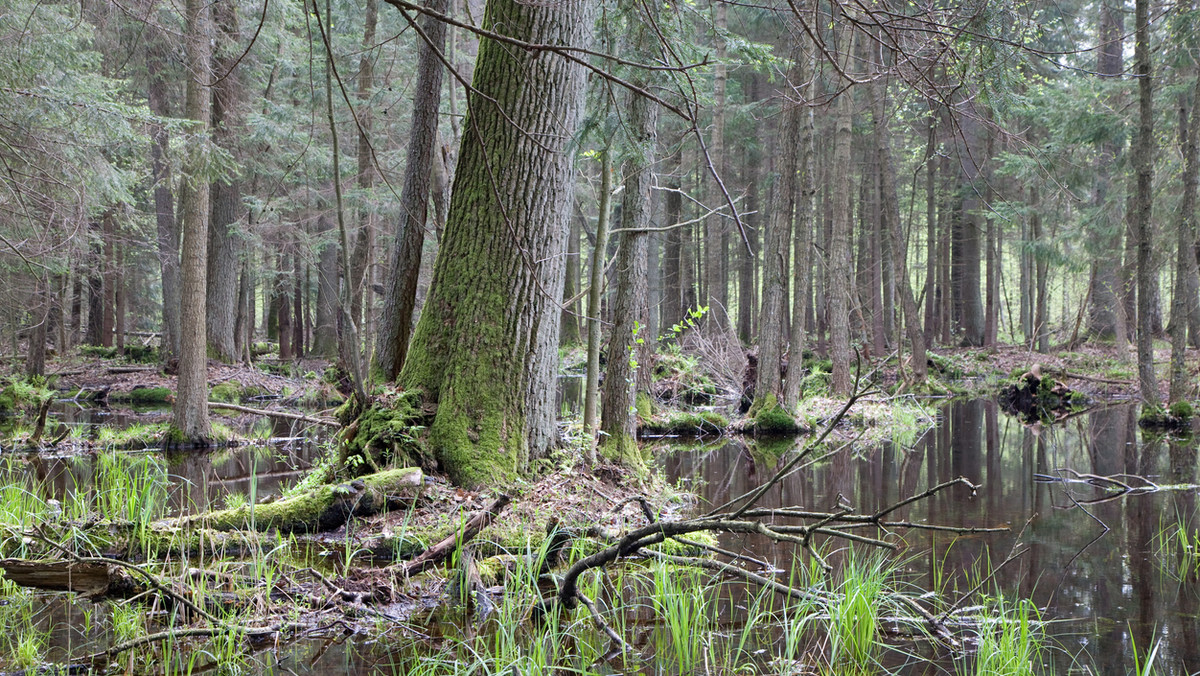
(223, 243)
(486, 347)
(395, 325)
(164, 202)
(626, 346)
(1106, 316)
(190, 419)
(1143, 157)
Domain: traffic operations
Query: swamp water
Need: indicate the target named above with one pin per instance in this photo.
(1113, 573)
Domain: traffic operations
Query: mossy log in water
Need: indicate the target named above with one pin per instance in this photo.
(320, 509)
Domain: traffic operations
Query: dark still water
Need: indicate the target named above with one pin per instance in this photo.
(1110, 571)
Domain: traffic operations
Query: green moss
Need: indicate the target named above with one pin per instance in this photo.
(319, 509)
(143, 395)
(227, 392)
(385, 432)
(1182, 410)
(624, 450)
(772, 418)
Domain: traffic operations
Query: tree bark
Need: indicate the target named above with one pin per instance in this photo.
(591, 400)
(626, 353)
(485, 350)
(839, 249)
(325, 331)
(164, 202)
(1185, 259)
(190, 416)
(400, 302)
(1143, 158)
(223, 242)
(800, 189)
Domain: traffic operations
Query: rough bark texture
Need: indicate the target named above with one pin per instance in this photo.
(629, 332)
(486, 347)
(190, 420)
(1106, 318)
(395, 324)
(365, 237)
(570, 314)
(1143, 156)
(1185, 260)
(591, 400)
(223, 242)
(839, 249)
(803, 187)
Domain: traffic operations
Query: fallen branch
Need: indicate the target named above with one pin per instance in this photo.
(440, 551)
(274, 414)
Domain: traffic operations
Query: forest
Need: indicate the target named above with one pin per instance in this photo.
(570, 337)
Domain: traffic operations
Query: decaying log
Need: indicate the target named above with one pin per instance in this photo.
(321, 509)
(93, 579)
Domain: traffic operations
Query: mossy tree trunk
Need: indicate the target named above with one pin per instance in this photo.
(485, 349)
(190, 421)
(629, 331)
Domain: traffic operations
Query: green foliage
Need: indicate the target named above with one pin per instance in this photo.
(23, 394)
(771, 418)
(1010, 640)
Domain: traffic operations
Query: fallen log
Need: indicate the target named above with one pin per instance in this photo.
(93, 579)
(323, 508)
(274, 414)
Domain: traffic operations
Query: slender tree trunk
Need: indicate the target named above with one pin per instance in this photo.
(890, 224)
(365, 236)
(164, 202)
(325, 333)
(1143, 157)
(35, 357)
(570, 315)
(747, 307)
(629, 335)
(109, 276)
(283, 308)
(714, 226)
(190, 416)
(931, 231)
(1185, 259)
(1106, 315)
(400, 300)
(485, 350)
(801, 189)
(591, 401)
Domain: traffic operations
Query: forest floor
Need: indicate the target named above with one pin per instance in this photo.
(595, 505)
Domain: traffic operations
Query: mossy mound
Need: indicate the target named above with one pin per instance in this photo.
(226, 393)
(686, 423)
(769, 418)
(679, 379)
(1034, 397)
(143, 396)
(1175, 420)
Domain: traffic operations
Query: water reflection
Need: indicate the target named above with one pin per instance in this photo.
(1105, 589)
